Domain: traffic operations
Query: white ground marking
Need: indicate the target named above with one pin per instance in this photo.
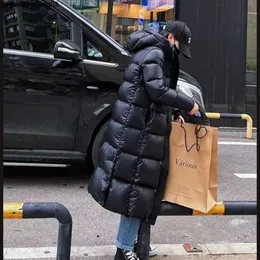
(99, 251)
(238, 221)
(246, 175)
(236, 143)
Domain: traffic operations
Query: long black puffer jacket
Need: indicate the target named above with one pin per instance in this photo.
(133, 164)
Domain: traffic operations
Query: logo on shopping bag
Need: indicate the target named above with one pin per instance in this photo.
(185, 164)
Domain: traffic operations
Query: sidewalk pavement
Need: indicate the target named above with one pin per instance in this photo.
(176, 257)
(237, 251)
(208, 257)
(181, 257)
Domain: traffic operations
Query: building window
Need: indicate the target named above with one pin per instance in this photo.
(33, 27)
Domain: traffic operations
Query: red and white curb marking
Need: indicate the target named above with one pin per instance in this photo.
(99, 251)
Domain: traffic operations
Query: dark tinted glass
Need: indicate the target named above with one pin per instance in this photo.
(33, 26)
(93, 51)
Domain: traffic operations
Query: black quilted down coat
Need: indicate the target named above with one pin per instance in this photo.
(133, 163)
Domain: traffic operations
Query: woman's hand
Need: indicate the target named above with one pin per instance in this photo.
(180, 120)
(195, 109)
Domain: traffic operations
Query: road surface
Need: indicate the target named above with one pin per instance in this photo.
(94, 226)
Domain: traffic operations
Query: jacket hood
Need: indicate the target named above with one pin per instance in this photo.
(147, 38)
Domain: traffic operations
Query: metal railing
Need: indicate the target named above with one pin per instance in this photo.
(45, 210)
(249, 127)
(61, 213)
(169, 209)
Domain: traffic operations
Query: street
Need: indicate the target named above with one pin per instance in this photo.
(94, 226)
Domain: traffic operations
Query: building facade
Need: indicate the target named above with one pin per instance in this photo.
(251, 36)
(127, 16)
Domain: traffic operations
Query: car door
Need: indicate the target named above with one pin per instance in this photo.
(41, 95)
(103, 74)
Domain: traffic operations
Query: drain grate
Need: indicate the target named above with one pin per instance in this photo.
(192, 248)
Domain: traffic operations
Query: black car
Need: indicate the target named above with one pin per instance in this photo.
(61, 76)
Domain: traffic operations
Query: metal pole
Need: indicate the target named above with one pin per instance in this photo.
(109, 16)
(249, 127)
(170, 209)
(177, 9)
(65, 232)
(46, 210)
(231, 208)
(64, 242)
(143, 243)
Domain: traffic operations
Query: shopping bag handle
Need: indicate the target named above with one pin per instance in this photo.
(197, 131)
(198, 135)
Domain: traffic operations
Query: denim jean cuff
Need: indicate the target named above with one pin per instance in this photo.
(127, 248)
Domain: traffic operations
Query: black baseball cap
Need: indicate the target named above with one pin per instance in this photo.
(182, 34)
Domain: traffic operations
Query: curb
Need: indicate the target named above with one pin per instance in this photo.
(223, 129)
(102, 251)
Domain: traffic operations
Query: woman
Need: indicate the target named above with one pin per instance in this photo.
(133, 163)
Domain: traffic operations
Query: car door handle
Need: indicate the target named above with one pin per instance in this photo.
(92, 88)
(37, 92)
(63, 64)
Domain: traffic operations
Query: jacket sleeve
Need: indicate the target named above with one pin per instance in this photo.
(154, 81)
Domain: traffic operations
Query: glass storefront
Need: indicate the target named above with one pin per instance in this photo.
(128, 15)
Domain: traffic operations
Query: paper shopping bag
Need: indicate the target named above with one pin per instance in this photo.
(192, 178)
(213, 172)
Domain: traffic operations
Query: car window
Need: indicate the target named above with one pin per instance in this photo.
(33, 26)
(93, 51)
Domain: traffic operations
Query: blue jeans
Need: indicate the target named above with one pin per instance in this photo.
(127, 233)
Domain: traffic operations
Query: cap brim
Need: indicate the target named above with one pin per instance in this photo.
(185, 50)
(164, 32)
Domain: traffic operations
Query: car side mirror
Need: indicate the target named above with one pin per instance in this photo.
(67, 50)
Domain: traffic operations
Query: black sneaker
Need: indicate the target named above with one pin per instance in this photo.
(153, 250)
(125, 255)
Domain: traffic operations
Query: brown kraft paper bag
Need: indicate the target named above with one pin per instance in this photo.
(192, 178)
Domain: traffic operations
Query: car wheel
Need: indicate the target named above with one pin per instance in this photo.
(97, 143)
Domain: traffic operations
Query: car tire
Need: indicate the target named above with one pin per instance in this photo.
(97, 143)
